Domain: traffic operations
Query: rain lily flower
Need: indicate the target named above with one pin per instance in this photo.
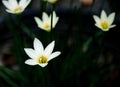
(105, 23)
(39, 55)
(15, 7)
(45, 23)
(51, 1)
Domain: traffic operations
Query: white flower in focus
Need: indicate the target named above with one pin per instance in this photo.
(45, 23)
(15, 7)
(51, 1)
(39, 55)
(104, 23)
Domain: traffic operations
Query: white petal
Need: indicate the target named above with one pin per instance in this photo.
(38, 46)
(45, 17)
(55, 19)
(53, 55)
(103, 15)
(30, 62)
(97, 25)
(43, 65)
(6, 3)
(31, 53)
(27, 3)
(111, 18)
(112, 26)
(49, 48)
(38, 21)
(13, 3)
(97, 19)
(24, 3)
(106, 29)
(10, 11)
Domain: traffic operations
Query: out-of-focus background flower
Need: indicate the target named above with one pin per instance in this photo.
(88, 59)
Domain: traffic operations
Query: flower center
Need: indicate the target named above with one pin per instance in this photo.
(42, 59)
(47, 26)
(104, 25)
(18, 9)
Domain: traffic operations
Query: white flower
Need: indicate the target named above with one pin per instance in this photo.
(45, 23)
(39, 55)
(104, 23)
(51, 1)
(15, 7)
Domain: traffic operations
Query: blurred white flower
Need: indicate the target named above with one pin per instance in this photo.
(15, 7)
(39, 55)
(45, 23)
(51, 1)
(104, 23)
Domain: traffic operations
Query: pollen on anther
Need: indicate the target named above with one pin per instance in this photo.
(47, 26)
(42, 59)
(104, 25)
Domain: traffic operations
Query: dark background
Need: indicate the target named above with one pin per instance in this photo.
(99, 66)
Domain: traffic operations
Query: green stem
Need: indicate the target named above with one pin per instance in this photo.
(16, 32)
(46, 76)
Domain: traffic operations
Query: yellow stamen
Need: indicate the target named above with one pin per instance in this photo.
(47, 26)
(42, 59)
(104, 25)
(18, 9)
